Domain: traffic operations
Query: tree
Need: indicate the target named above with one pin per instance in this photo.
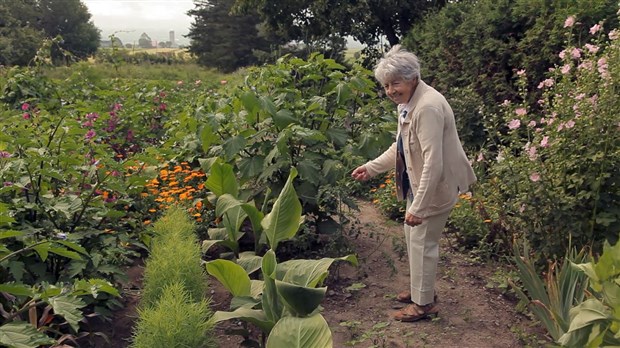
(69, 19)
(369, 22)
(145, 41)
(25, 23)
(18, 40)
(222, 40)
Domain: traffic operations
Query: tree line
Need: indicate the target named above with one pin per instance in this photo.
(25, 24)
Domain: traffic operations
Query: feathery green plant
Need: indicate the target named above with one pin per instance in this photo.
(175, 321)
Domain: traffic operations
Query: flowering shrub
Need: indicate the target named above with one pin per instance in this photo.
(384, 197)
(554, 175)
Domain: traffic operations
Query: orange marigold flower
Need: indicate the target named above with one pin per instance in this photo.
(197, 215)
(201, 186)
(152, 210)
(199, 205)
(382, 186)
(144, 194)
(147, 222)
(487, 220)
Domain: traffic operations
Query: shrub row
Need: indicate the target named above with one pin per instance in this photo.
(173, 310)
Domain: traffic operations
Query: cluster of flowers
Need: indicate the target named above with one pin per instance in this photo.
(178, 184)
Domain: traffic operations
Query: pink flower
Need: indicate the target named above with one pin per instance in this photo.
(535, 177)
(569, 22)
(521, 111)
(480, 157)
(25, 106)
(4, 154)
(592, 48)
(595, 28)
(580, 96)
(514, 124)
(198, 82)
(544, 142)
(587, 64)
(531, 152)
(90, 134)
(521, 72)
(223, 82)
(562, 54)
(570, 124)
(565, 69)
(179, 83)
(575, 53)
(614, 34)
(602, 67)
(26, 116)
(522, 208)
(531, 124)
(506, 102)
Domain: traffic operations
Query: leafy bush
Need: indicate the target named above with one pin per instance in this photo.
(555, 176)
(175, 258)
(384, 197)
(175, 320)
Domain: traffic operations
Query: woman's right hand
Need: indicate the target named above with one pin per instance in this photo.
(360, 174)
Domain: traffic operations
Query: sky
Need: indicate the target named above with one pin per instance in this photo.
(128, 19)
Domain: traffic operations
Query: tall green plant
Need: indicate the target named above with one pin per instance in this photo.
(595, 322)
(551, 297)
(285, 303)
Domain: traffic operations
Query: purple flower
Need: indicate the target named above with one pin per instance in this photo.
(90, 134)
(4, 154)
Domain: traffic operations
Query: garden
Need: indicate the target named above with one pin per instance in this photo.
(231, 194)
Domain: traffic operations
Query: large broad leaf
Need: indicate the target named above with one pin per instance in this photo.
(233, 146)
(254, 316)
(293, 332)
(283, 118)
(68, 307)
(272, 305)
(22, 335)
(585, 314)
(10, 233)
(250, 261)
(207, 137)
(308, 273)
(250, 167)
(285, 217)
(231, 275)
(300, 300)
(222, 180)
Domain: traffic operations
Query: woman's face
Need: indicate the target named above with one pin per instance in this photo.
(399, 90)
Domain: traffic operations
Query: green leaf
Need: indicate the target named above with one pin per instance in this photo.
(64, 252)
(74, 246)
(256, 317)
(233, 146)
(222, 180)
(231, 275)
(283, 118)
(17, 289)
(308, 273)
(68, 307)
(207, 137)
(300, 300)
(43, 250)
(250, 261)
(293, 332)
(250, 167)
(285, 217)
(10, 233)
(19, 334)
(272, 305)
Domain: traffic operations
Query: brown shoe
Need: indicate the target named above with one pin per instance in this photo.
(405, 297)
(413, 312)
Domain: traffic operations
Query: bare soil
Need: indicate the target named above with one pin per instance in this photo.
(360, 299)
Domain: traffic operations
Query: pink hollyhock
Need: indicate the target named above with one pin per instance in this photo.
(26, 116)
(545, 141)
(535, 177)
(569, 22)
(575, 53)
(595, 28)
(25, 106)
(565, 69)
(592, 48)
(521, 111)
(514, 124)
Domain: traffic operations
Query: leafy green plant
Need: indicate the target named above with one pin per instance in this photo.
(176, 320)
(174, 258)
(285, 303)
(595, 322)
(551, 297)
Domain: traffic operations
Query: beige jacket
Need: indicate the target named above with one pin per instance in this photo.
(436, 164)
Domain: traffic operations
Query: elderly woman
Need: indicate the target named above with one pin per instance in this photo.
(431, 169)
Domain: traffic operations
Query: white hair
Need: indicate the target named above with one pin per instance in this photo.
(397, 63)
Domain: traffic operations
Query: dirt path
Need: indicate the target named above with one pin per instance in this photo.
(471, 315)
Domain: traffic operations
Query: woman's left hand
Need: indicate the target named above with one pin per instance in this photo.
(412, 220)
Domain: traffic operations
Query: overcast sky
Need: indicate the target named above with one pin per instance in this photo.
(128, 19)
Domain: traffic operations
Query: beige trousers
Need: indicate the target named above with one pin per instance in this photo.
(423, 250)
